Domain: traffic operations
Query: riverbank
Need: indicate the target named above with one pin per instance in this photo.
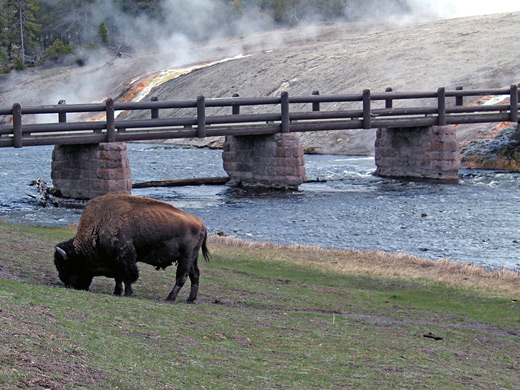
(472, 222)
(267, 317)
(505, 283)
(20, 240)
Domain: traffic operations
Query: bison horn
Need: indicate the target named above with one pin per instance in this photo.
(62, 253)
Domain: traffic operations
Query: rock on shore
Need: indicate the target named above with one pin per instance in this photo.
(501, 152)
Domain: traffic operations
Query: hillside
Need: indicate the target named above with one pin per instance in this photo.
(471, 52)
(474, 52)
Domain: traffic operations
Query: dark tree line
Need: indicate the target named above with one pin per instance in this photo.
(35, 31)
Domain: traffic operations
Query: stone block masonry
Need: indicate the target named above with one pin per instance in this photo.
(273, 161)
(429, 153)
(87, 171)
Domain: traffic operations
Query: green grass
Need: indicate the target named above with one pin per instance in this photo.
(261, 322)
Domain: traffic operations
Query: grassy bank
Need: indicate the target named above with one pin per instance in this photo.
(267, 318)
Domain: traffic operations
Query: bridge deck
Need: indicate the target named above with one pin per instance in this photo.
(447, 108)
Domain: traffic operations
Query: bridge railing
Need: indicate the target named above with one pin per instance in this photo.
(279, 116)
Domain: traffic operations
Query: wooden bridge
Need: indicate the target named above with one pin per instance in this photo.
(415, 138)
(448, 109)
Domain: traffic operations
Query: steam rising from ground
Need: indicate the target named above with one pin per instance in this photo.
(195, 31)
(459, 8)
(185, 21)
(188, 21)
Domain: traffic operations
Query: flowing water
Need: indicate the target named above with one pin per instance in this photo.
(475, 221)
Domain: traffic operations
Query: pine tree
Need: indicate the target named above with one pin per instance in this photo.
(21, 25)
(4, 61)
(57, 50)
(103, 34)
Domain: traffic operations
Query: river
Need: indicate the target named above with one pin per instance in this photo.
(475, 221)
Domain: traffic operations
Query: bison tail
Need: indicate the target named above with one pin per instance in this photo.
(205, 250)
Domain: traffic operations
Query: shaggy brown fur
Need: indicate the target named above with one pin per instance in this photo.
(117, 231)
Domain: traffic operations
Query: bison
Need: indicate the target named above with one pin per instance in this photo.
(116, 231)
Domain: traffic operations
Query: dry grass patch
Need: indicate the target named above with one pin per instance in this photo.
(501, 283)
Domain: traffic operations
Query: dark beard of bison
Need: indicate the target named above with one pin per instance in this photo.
(69, 270)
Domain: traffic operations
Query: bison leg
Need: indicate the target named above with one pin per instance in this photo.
(127, 271)
(194, 279)
(128, 289)
(119, 287)
(180, 279)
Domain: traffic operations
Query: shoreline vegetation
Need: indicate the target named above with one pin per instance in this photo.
(354, 262)
(502, 282)
(267, 317)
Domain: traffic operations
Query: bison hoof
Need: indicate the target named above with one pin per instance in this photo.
(191, 301)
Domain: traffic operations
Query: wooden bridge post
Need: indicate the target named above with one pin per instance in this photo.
(155, 111)
(284, 103)
(235, 108)
(459, 100)
(516, 134)
(513, 102)
(315, 105)
(62, 116)
(111, 128)
(17, 125)
(441, 106)
(367, 120)
(389, 103)
(201, 117)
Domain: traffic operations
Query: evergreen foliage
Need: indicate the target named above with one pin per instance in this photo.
(20, 26)
(103, 34)
(57, 50)
(4, 61)
(18, 64)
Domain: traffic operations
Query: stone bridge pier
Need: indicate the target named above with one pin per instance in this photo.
(274, 161)
(87, 171)
(90, 170)
(428, 153)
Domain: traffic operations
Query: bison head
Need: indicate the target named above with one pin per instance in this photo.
(69, 265)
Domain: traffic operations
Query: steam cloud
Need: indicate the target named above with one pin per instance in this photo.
(177, 42)
(188, 21)
(459, 8)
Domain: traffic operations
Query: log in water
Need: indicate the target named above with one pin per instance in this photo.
(195, 181)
